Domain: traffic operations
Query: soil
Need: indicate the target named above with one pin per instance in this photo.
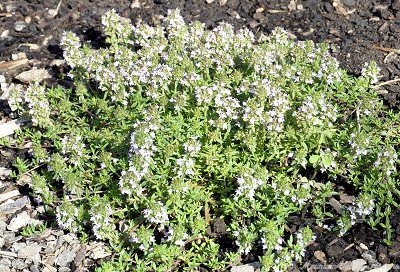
(358, 30)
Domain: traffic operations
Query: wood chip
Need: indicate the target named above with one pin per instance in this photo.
(135, 4)
(33, 75)
(320, 256)
(10, 127)
(13, 64)
(8, 195)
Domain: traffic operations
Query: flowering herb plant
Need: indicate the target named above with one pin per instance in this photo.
(173, 127)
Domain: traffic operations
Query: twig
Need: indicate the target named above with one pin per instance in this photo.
(386, 49)
(8, 254)
(387, 82)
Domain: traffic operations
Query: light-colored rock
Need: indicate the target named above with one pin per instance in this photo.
(33, 75)
(2, 79)
(65, 258)
(49, 268)
(345, 266)
(19, 26)
(10, 127)
(320, 256)
(64, 269)
(31, 252)
(57, 62)
(15, 247)
(1, 241)
(251, 267)
(8, 195)
(12, 207)
(4, 268)
(99, 252)
(21, 220)
(363, 247)
(383, 268)
(357, 265)
(5, 172)
(18, 56)
(19, 264)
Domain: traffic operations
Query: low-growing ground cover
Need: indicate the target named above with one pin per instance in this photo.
(171, 128)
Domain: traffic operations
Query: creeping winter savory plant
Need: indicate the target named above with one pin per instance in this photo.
(172, 128)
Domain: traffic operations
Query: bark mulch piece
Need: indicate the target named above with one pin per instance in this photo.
(359, 31)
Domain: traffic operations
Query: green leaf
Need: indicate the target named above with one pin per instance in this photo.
(327, 160)
(314, 159)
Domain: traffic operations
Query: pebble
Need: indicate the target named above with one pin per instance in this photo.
(19, 26)
(65, 258)
(21, 220)
(357, 265)
(19, 264)
(4, 268)
(14, 206)
(251, 267)
(31, 252)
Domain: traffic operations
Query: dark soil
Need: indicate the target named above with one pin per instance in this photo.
(360, 30)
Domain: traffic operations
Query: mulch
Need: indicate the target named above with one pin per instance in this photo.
(358, 31)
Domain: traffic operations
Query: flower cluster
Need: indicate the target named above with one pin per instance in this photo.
(32, 101)
(66, 215)
(100, 217)
(157, 215)
(247, 186)
(387, 160)
(73, 148)
(371, 71)
(141, 152)
(316, 112)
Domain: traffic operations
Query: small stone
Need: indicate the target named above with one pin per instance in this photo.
(65, 258)
(49, 268)
(34, 268)
(4, 268)
(1, 242)
(57, 62)
(383, 268)
(19, 264)
(19, 26)
(396, 4)
(17, 246)
(2, 80)
(21, 220)
(33, 75)
(5, 261)
(99, 252)
(18, 56)
(28, 19)
(10, 208)
(4, 34)
(64, 269)
(363, 247)
(357, 265)
(320, 256)
(345, 267)
(251, 267)
(31, 252)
